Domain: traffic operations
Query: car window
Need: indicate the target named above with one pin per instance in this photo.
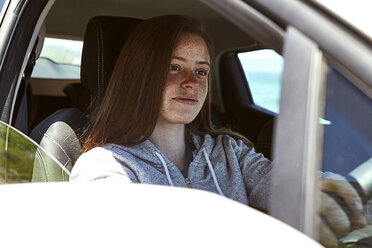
(347, 148)
(22, 160)
(59, 59)
(263, 71)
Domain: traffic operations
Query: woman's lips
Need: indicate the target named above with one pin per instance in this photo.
(186, 100)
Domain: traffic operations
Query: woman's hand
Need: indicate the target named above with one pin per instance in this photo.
(339, 216)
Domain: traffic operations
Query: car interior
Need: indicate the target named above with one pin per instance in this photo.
(59, 109)
(326, 95)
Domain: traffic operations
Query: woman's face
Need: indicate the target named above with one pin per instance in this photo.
(187, 85)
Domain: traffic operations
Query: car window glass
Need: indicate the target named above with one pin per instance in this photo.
(59, 59)
(263, 71)
(347, 148)
(22, 160)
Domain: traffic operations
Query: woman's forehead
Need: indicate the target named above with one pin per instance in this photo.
(191, 45)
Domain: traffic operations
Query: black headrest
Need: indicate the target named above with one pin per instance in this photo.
(103, 40)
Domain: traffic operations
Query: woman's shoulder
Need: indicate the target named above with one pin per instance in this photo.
(95, 162)
(227, 138)
(97, 156)
(96, 153)
(236, 144)
(218, 139)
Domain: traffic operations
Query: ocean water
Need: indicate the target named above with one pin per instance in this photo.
(263, 70)
(265, 88)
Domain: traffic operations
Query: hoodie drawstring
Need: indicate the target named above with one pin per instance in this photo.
(212, 172)
(165, 168)
(209, 166)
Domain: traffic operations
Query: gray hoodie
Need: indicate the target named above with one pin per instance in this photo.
(222, 165)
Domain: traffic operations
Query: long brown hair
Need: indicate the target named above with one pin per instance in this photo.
(131, 104)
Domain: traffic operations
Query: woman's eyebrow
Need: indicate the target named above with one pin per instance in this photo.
(199, 62)
(204, 63)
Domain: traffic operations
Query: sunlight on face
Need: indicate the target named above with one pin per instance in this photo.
(187, 81)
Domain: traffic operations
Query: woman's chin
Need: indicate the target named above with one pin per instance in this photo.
(183, 120)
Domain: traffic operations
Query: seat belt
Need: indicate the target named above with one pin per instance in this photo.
(23, 101)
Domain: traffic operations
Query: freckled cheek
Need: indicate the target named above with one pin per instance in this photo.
(203, 89)
(170, 79)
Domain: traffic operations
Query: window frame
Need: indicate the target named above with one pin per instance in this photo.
(298, 136)
(24, 33)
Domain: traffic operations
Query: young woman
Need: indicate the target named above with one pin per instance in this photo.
(154, 126)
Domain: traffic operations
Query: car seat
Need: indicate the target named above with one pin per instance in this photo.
(60, 133)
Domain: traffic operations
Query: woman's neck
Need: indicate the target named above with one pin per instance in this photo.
(170, 140)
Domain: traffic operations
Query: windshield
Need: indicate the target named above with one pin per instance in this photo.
(22, 160)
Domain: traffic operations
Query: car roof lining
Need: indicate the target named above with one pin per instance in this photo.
(69, 17)
(250, 21)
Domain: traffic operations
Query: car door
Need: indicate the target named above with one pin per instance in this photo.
(324, 103)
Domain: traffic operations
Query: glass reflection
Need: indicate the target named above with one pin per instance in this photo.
(347, 153)
(21, 160)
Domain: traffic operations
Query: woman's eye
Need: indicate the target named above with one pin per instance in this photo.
(202, 73)
(175, 68)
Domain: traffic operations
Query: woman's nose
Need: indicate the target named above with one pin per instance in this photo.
(189, 82)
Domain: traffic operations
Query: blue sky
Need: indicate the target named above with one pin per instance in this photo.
(1, 3)
(265, 60)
